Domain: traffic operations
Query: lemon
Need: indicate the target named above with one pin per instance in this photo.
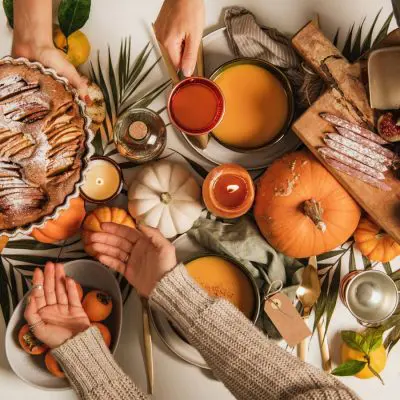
(377, 357)
(76, 48)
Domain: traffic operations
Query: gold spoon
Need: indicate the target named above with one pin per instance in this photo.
(307, 293)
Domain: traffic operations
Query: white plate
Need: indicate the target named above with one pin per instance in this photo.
(217, 52)
(31, 369)
(185, 249)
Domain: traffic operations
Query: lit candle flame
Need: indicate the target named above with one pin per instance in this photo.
(232, 188)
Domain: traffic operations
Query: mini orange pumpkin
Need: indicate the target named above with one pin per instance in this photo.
(105, 332)
(374, 243)
(301, 209)
(93, 221)
(66, 225)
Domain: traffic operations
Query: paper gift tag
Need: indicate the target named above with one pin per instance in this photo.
(286, 319)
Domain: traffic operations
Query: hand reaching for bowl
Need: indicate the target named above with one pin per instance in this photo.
(179, 28)
(142, 255)
(54, 311)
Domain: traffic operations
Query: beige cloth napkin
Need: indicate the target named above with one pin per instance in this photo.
(248, 39)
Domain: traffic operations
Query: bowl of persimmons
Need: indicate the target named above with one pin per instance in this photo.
(101, 298)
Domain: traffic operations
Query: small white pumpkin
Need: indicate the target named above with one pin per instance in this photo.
(165, 195)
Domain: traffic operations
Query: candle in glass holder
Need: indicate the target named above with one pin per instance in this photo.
(103, 180)
(228, 191)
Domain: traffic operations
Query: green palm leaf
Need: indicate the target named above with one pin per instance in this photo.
(120, 86)
(5, 303)
(353, 48)
(367, 43)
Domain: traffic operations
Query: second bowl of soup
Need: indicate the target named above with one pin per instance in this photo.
(258, 104)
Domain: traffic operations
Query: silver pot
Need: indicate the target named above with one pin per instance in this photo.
(371, 296)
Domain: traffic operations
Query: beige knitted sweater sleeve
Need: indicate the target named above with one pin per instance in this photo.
(239, 354)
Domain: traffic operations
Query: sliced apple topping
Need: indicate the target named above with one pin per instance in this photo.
(14, 144)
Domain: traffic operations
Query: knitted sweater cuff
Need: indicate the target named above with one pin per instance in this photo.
(87, 361)
(178, 295)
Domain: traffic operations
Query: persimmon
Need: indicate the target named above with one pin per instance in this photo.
(105, 332)
(80, 291)
(97, 305)
(53, 366)
(29, 342)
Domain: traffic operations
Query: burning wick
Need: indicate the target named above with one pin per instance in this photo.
(232, 188)
(99, 181)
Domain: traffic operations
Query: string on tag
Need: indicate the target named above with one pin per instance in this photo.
(270, 292)
(276, 304)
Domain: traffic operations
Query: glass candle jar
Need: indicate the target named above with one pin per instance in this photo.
(140, 135)
(103, 180)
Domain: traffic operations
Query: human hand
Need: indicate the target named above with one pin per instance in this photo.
(52, 57)
(142, 255)
(54, 311)
(179, 28)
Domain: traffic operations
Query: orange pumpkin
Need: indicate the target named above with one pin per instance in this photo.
(374, 243)
(66, 225)
(93, 221)
(301, 209)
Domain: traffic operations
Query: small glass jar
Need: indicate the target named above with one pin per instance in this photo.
(140, 135)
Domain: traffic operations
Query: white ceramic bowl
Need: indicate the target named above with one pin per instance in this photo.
(31, 369)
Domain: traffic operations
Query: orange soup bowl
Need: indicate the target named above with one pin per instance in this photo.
(228, 191)
(222, 276)
(196, 106)
(259, 104)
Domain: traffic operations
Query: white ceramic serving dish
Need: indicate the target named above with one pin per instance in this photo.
(31, 369)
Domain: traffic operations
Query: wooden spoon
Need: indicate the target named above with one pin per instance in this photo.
(307, 293)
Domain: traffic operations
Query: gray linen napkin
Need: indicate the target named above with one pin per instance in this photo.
(243, 242)
(248, 39)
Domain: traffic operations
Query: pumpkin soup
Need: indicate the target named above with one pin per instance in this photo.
(256, 106)
(221, 278)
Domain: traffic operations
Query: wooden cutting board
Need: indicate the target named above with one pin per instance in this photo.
(346, 98)
(383, 207)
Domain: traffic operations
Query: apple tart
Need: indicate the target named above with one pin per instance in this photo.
(42, 143)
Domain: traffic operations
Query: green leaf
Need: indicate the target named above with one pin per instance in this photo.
(149, 97)
(72, 15)
(37, 260)
(26, 244)
(375, 373)
(367, 43)
(373, 339)
(113, 82)
(347, 44)
(9, 11)
(392, 339)
(336, 38)
(332, 295)
(352, 265)
(388, 268)
(354, 340)
(98, 144)
(4, 293)
(13, 281)
(367, 263)
(395, 275)
(320, 305)
(329, 254)
(356, 49)
(384, 30)
(349, 368)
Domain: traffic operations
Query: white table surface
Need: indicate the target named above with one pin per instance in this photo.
(174, 379)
